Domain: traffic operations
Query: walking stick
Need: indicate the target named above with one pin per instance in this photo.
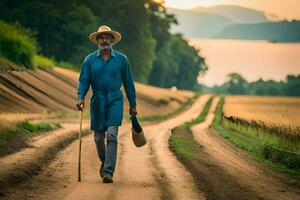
(79, 155)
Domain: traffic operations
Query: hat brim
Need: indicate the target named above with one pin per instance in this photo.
(116, 36)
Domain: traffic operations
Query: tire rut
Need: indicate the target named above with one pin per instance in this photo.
(150, 172)
(225, 172)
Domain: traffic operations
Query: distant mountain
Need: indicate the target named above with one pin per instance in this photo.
(198, 24)
(236, 13)
(234, 22)
(283, 31)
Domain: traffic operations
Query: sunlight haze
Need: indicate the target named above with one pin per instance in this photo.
(288, 9)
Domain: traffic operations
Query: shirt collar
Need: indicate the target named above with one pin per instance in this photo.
(112, 52)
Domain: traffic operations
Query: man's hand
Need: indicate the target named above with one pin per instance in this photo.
(132, 111)
(80, 104)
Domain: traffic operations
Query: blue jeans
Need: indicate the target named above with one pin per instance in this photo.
(107, 152)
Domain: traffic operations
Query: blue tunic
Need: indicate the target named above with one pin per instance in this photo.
(106, 79)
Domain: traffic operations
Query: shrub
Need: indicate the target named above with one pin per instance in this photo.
(272, 152)
(17, 44)
(26, 125)
(41, 61)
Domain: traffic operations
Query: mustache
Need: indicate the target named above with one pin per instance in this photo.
(104, 46)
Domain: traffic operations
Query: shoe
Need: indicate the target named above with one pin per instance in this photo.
(107, 178)
(101, 170)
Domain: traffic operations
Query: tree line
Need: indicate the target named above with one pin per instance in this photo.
(237, 84)
(61, 29)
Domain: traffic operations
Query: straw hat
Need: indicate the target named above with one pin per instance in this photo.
(105, 30)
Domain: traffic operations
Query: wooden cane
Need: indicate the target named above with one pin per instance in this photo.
(79, 155)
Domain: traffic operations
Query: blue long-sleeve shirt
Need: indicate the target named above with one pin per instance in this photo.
(106, 79)
(106, 76)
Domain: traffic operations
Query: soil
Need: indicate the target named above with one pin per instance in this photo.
(243, 177)
(210, 177)
(149, 172)
(152, 172)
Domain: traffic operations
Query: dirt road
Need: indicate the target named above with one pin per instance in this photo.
(233, 174)
(153, 172)
(150, 172)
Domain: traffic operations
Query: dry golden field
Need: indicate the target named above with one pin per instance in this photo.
(151, 100)
(37, 95)
(280, 112)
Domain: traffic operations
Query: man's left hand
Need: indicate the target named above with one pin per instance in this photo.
(132, 111)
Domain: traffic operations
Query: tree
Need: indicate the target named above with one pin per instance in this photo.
(292, 85)
(62, 26)
(131, 19)
(176, 63)
(261, 87)
(235, 84)
(161, 22)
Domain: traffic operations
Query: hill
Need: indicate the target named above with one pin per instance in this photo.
(237, 14)
(198, 24)
(45, 92)
(283, 31)
(234, 22)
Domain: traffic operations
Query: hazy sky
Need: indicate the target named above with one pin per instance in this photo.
(251, 59)
(289, 9)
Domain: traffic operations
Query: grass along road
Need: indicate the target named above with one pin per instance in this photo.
(222, 171)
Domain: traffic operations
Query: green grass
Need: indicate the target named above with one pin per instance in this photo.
(33, 128)
(266, 150)
(17, 44)
(201, 117)
(262, 134)
(284, 135)
(182, 107)
(67, 65)
(41, 61)
(14, 140)
(25, 129)
(183, 144)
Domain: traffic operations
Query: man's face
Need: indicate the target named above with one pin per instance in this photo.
(104, 41)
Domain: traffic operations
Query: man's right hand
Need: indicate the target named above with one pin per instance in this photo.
(80, 104)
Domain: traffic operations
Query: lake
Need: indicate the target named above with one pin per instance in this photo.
(253, 59)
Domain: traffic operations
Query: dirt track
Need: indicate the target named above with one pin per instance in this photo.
(234, 175)
(151, 172)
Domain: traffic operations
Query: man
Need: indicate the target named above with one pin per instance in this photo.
(105, 70)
